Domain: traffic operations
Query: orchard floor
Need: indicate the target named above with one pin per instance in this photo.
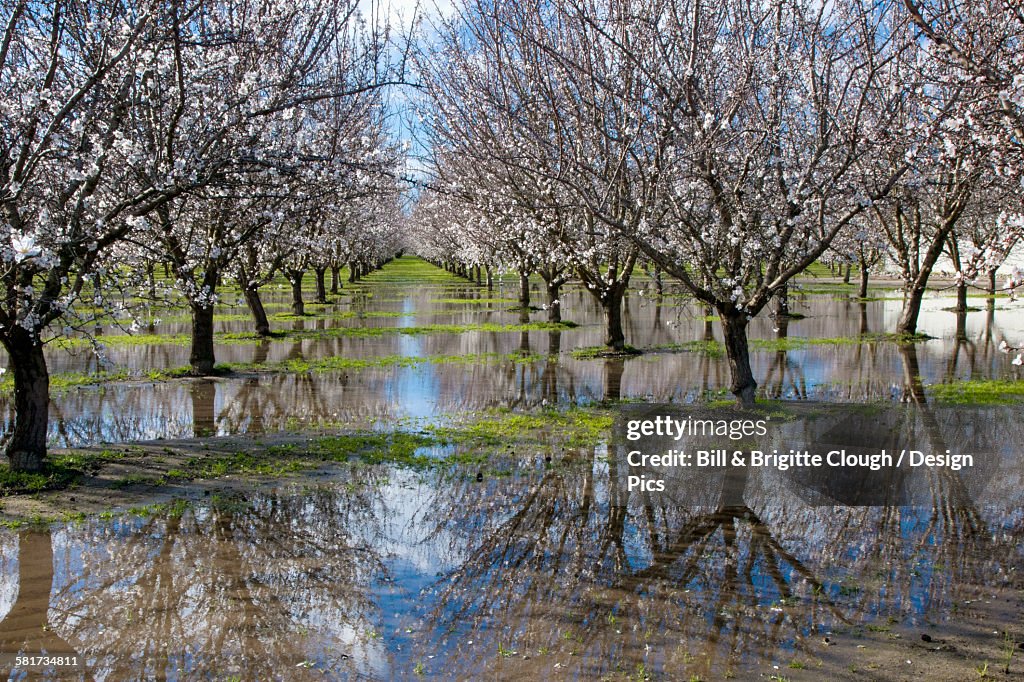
(415, 482)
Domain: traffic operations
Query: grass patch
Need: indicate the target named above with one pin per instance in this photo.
(24, 482)
(787, 343)
(399, 447)
(291, 335)
(979, 392)
(274, 461)
(601, 352)
(710, 348)
(575, 427)
(68, 380)
(58, 472)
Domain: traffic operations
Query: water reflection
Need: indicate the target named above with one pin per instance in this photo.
(383, 570)
(966, 347)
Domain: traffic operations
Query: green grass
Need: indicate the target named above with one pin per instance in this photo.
(979, 392)
(58, 472)
(336, 363)
(787, 343)
(712, 349)
(20, 482)
(474, 439)
(66, 380)
(601, 352)
(575, 427)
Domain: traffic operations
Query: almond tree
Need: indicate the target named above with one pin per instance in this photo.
(978, 49)
(983, 242)
(751, 133)
(258, 99)
(65, 69)
(535, 134)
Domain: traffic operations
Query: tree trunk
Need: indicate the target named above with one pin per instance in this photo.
(911, 310)
(961, 297)
(734, 329)
(554, 302)
(259, 313)
(846, 274)
(992, 282)
(912, 302)
(490, 278)
(524, 289)
(612, 304)
(335, 280)
(353, 272)
(862, 292)
(201, 358)
(961, 330)
(295, 277)
(26, 447)
(321, 285)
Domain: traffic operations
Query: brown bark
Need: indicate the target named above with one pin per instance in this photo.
(321, 284)
(295, 277)
(335, 280)
(26, 446)
(554, 302)
(961, 297)
(612, 305)
(259, 313)
(734, 329)
(782, 302)
(201, 358)
(862, 292)
(907, 323)
(524, 289)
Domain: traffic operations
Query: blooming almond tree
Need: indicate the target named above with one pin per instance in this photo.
(65, 68)
(518, 113)
(256, 101)
(756, 130)
(977, 48)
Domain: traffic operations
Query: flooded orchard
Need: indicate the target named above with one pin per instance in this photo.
(399, 347)
(467, 514)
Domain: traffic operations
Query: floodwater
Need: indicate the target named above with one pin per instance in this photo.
(544, 570)
(965, 347)
(549, 571)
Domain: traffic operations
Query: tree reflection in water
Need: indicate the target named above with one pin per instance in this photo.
(603, 580)
(385, 568)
